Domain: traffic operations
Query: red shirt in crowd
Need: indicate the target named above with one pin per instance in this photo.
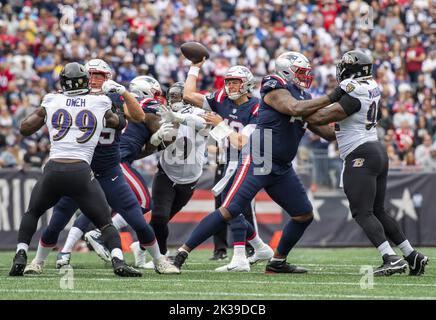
(5, 78)
(411, 54)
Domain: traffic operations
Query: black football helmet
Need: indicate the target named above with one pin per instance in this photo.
(354, 64)
(74, 79)
(175, 96)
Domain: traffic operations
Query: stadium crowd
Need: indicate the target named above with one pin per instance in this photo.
(143, 37)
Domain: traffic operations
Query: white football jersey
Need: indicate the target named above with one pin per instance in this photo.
(360, 127)
(74, 124)
(183, 160)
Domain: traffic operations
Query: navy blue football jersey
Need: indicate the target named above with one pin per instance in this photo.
(136, 135)
(281, 131)
(107, 152)
(237, 117)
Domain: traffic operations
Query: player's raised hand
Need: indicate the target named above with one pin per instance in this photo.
(199, 64)
(212, 118)
(168, 116)
(110, 86)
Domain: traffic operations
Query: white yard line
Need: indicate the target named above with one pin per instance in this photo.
(278, 282)
(218, 293)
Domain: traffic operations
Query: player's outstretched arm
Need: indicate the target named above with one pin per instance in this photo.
(285, 103)
(132, 109)
(329, 114)
(190, 93)
(33, 122)
(324, 131)
(346, 106)
(115, 120)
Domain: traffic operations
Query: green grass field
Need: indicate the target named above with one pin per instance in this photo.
(334, 274)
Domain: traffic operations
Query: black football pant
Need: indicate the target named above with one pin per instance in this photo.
(365, 179)
(168, 199)
(74, 180)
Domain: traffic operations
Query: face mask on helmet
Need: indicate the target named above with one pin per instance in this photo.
(175, 99)
(238, 81)
(353, 65)
(234, 88)
(302, 76)
(294, 67)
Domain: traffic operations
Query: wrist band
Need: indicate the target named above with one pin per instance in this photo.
(194, 71)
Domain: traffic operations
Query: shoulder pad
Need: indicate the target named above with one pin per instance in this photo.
(49, 97)
(272, 82)
(352, 87)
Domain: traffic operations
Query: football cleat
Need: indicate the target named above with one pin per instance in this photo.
(417, 262)
(18, 264)
(93, 238)
(220, 254)
(180, 259)
(236, 265)
(391, 264)
(264, 254)
(249, 250)
(149, 265)
(283, 267)
(139, 255)
(63, 259)
(121, 269)
(163, 266)
(34, 268)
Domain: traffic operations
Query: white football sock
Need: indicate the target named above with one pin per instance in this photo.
(385, 248)
(239, 252)
(117, 253)
(73, 236)
(23, 246)
(153, 250)
(405, 247)
(257, 243)
(42, 253)
(119, 222)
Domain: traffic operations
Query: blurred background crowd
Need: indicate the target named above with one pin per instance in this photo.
(143, 37)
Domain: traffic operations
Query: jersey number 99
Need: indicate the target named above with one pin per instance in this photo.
(85, 121)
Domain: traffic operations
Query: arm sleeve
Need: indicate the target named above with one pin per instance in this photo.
(349, 104)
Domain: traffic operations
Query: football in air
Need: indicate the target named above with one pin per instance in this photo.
(194, 51)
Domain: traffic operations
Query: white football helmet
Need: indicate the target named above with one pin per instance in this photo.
(294, 66)
(145, 87)
(242, 73)
(94, 66)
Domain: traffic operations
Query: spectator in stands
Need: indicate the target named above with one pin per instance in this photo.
(33, 158)
(429, 162)
(415, 55)
(423, 150)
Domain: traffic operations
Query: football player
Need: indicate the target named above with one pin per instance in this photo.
(106, 167)
(266, 163)
(179, 168)
(75, 120)
(366, 162)
(232, 113)
(137, 135)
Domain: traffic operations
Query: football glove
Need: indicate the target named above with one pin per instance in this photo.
(110, 86)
